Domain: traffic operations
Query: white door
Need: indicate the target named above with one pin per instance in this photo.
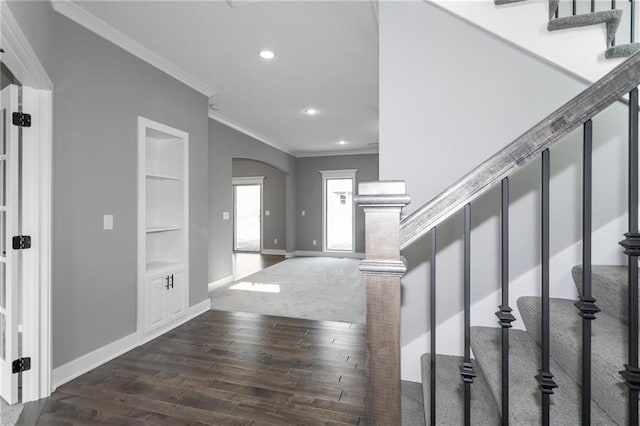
(174, 296)
(155, 301)
(9, 175)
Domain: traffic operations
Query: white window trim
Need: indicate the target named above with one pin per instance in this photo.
(249, 180)
(338, 174)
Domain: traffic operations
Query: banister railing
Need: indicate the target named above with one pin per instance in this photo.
(386, 235)
(543, 135)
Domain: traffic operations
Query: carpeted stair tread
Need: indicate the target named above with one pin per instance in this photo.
(501, 2)
(450, 394)
(524, 363)
(608, 349)
(610, 289)
(412, 404)
(609, 17)
(621, 51)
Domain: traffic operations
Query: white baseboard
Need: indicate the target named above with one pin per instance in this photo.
(69, 371)
(329, 254)
(290, 254)
(277, 252)
(221, 282)
(192, 312)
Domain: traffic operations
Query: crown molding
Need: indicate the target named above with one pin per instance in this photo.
(235, 126)
(19, 56)
(91, 22)
(337, 153)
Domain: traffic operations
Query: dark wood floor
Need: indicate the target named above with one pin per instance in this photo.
(225, 368)
(245, 264)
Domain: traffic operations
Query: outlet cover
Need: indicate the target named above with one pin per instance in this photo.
(275, 241)
(314, 242)
(107, 222)
(303, 213)
(225, 215)
(267, 212)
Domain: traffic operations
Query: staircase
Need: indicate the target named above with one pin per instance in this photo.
(609, 339)
(578, 361)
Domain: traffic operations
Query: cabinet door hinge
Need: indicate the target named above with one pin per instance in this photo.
(20, 365)
(21, 119)
(21, 242)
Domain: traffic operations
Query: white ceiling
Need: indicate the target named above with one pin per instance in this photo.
(326, 57)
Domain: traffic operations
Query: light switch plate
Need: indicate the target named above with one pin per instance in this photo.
(303, 213)
(267, 212)
(107, 222)
(225, 215)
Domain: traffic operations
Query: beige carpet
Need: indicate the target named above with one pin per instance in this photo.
(318, 288)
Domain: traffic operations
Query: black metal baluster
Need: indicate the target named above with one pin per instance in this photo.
(574, 7)
(587, 304)
(466, 369)
(432, 314)
(593, 6)
(504, 314)
(613, 6)
(631, 245)
(544, 377)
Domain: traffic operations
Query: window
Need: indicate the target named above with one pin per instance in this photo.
(338, 218)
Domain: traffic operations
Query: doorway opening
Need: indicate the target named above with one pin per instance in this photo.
(247, 214)
(338, 219)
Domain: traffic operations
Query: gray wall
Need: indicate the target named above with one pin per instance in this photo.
(35, 18)
(450, 96)
(274, 200)
(225, 144)
(309, 195)
(100, 90)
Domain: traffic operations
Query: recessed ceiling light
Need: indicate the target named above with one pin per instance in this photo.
(310, 111)
(342, 142)
(267, 54)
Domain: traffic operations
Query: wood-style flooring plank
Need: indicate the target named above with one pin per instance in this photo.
(225, 368)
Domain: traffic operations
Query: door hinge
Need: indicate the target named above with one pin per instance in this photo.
(20, 365)
(21, 119)
(21, 242)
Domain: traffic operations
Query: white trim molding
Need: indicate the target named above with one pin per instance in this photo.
(337, 153)
(311, 253)
(91, 22)
(221, 282)
(19, 56)
(274, 252)
(106, 353)
(235, 126)
(69, 371)
(338, 174)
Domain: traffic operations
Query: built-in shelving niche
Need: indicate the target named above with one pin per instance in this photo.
(163, 222)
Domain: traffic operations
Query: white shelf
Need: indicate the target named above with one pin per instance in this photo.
(163, 229)
(156, 176)
(154, 268)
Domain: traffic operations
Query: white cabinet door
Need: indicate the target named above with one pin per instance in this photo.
(155, 300)
(175, 296)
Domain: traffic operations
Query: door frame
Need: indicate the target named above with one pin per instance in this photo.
(243, 181)
(37, 100)
(338, 174)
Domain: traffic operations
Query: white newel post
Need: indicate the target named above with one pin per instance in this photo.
(383, 268)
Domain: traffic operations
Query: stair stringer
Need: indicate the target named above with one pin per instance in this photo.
(580, 52)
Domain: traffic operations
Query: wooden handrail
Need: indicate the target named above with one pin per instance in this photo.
(525, 148)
